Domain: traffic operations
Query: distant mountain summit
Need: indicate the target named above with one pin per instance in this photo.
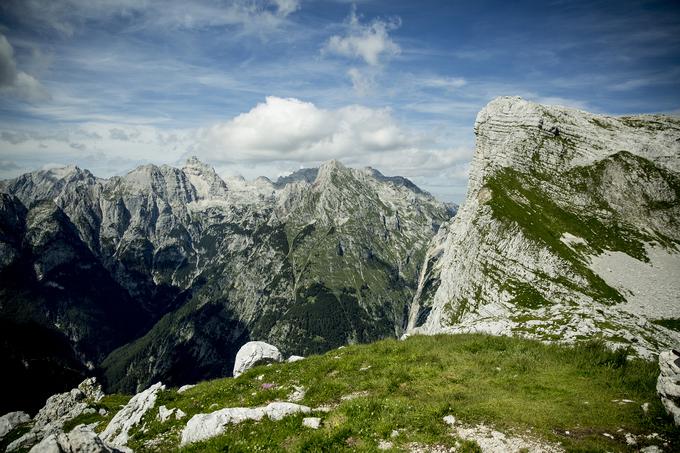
(570, 230)
(165, 272)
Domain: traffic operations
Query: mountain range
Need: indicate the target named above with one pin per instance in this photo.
(163, 273)
(570, 231)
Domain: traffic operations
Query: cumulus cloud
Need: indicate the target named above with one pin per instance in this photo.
(291, 129)
(117, 133)
(368, 42)
(15, 82)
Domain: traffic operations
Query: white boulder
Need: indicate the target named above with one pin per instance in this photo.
(668, 383)
(117, 432)
(11, 420)
(184, 388)
(204, 426)
(294, 358)
(255, 353)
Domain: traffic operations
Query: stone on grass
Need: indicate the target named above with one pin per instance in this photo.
(255, 353)
(294, 358)
(450, 420)
(204, 426)
(311, 422)
(164, 413)
(184, 388)
(297, 395)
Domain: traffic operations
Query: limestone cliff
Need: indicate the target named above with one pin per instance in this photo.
(565, 215)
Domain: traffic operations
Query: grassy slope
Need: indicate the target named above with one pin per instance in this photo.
(510, 383)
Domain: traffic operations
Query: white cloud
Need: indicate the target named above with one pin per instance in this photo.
(369, 42)
(15, 82)
(274, 137)
(290, 129)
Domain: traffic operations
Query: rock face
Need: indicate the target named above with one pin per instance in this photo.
(59, 409)
(204, 426)
(116, 432)
(80, 439)
(255, 353)
(11, 420)
(560, 204)
(668, 384)
(175, 268)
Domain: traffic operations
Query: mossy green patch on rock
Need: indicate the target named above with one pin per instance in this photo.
(669, 323)
(525, 295)
(528, 200)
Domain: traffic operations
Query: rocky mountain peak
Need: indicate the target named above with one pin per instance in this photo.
(332, 172)
(205, 179)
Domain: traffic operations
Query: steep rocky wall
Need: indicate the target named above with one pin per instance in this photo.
(550, 189)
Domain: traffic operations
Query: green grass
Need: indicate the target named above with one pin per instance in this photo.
(512, 384)
(110, 403)
(670, 323)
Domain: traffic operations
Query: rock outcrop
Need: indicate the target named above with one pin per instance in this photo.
(80, 439)
(117, 431)
(204, 426)
(255, 353)
(564, 214)
(668, 384)
(59, 409)
(11, 420)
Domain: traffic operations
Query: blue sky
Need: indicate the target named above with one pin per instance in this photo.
(263, 87)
